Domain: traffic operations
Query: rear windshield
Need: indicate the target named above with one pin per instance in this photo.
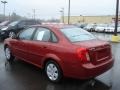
(77, 34)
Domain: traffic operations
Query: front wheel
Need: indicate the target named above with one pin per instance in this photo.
(53, 71)
(11, 34)
(8, 54)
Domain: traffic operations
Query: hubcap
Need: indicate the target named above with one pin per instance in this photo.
(7, 53)
(11, 34)
(52, 72)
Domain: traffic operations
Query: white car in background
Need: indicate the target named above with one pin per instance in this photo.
(118, 30)
(109, 29)
(90, 27)
(100, 27)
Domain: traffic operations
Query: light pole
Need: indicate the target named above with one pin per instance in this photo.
(115, 37)
(34, 14)
(4, 2)
(69, 13)
(62, 14)
(116, 19)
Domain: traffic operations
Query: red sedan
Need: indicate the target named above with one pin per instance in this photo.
(61, 50)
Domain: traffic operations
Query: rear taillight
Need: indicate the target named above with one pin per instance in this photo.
(83, 54)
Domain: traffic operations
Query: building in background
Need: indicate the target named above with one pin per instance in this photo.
(90, 19)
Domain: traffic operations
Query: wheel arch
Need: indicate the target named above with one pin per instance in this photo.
(6, 45)
(52, 58)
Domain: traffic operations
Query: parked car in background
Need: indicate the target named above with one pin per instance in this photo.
(16, 26)
(100, 27)
(118, 30)
(62, 50)
(90, 27)
(4, 23)
(81, 25)
(110, 28)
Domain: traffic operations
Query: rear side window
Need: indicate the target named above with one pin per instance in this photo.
(77, 34)
(53, 38)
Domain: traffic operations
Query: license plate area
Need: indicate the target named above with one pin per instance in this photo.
(103, 54)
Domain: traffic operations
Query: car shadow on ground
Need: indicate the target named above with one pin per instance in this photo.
(27, 75)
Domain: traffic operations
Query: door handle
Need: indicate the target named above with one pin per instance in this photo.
(23, 44)
(44, 47)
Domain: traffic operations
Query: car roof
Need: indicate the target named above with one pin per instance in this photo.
(58, 26)
(26, 20)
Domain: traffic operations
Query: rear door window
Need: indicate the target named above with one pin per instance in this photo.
(44, 34)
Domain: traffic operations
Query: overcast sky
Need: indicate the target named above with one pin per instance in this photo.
(51, 8)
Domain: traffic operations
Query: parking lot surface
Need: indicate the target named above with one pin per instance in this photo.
(22, 76)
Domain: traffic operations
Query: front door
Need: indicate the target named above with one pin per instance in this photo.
(41, 45)
(20, 46)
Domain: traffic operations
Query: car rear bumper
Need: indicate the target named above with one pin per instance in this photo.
(87, 71)
(91, 70)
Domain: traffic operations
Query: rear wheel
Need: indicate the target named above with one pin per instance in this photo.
(53, 71)
(8, 54)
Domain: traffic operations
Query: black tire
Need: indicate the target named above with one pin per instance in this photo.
(8, 51)
(59, 72)
(11, 34)
(91, 29)
(104, 31)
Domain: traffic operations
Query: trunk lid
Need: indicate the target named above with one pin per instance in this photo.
(99, 51)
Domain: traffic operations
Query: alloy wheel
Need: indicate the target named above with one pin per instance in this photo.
(11, 34)
(7, 53)
(52, 72)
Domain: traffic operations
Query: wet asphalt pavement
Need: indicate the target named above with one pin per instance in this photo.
(22, 76)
